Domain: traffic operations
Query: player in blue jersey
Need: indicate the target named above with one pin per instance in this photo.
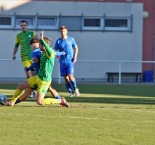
(35, 54)
(69, 46)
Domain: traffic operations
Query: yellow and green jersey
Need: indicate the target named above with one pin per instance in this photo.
(23, 40)
(46, 63)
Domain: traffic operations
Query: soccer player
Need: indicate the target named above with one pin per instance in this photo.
(22, 40)
(43, 79)
(69, 46)
(36, 54)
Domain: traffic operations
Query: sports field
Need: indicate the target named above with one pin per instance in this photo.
(102, 115)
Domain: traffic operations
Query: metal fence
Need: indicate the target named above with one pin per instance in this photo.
(85, 70)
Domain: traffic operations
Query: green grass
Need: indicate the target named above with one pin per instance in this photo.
(102, 115)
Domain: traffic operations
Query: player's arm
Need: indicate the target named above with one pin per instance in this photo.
(59, 53)
(48, 50)
(15, 48)
(76, 49)
(56, 49)
(14, 52)
(35, 35)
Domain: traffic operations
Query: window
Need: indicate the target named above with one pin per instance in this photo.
(117, 24)
(73, 23)
(92, 23)
(29, 19)
(5, 22)
(47, 22)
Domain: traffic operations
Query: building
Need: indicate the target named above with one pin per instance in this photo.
(106, 30)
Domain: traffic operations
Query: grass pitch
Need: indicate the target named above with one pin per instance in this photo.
(102, 115)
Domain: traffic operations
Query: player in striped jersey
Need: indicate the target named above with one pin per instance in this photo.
(22, 40)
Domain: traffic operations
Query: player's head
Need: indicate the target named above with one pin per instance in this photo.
(63, 31)
(47, 40)
(23, 25)
(34, 42)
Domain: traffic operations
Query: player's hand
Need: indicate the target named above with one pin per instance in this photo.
(74, 60)
(14, 57)
(42, 35)
(35, 60)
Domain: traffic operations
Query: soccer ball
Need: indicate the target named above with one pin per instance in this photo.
(2, 99)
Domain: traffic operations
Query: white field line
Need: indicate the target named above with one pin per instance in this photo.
(72, 117)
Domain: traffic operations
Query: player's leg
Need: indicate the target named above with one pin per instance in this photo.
(27, 64)
(21, 86)
(70, 74)
(42, 89)
(24, 96)
(68, 85)
(29, 74)
(54, 92)
(63, 72)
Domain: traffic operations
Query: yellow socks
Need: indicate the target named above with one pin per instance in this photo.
(48, 101)
(16, 95)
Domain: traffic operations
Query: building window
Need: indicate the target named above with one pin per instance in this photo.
(122, 24)
(92, 24)
(72, 22)
(47, 22)
(29, 19)
(5, 22)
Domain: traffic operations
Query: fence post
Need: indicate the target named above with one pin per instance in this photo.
(119, 67)
(59, 77)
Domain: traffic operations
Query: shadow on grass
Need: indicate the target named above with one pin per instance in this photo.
(133, 101)
(128, 90)
(106, 100)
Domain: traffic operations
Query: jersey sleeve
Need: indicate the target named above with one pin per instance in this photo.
(34, 34)
(74, 45)
(17, 42)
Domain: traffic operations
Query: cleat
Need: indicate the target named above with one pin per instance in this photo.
(64, 102)
(76, 92)
(9, 103)
(71, 95)
(2, 104)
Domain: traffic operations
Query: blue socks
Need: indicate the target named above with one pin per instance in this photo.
(68, 86)
(74, 84)
(58, 97)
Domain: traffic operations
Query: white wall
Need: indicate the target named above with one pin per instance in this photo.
(93, 45)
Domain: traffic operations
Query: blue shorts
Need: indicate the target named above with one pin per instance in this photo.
(66, 68)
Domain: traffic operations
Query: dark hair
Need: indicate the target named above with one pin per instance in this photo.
(63, 27)
(34, 40)
(24, 21)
